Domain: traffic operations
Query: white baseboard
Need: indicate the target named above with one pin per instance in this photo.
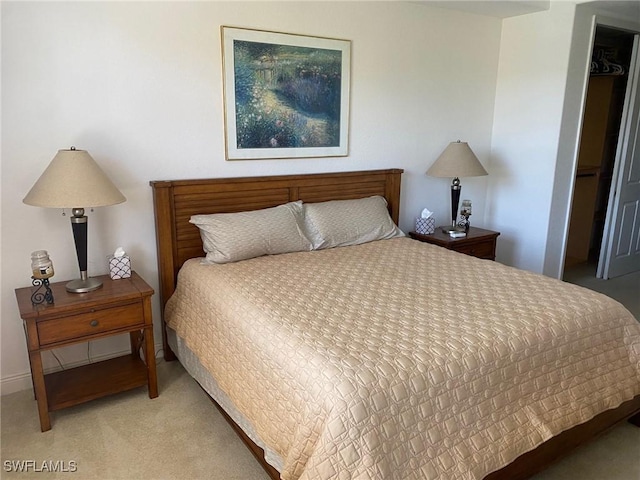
(22, 381)
(15, 383)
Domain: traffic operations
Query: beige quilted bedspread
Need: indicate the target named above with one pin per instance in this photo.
(402, 360)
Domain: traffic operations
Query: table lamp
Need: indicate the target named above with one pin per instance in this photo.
(457, 160)
(74, 180)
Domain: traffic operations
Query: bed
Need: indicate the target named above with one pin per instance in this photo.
(311, 400)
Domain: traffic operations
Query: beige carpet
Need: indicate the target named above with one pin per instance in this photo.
(178, 435)
(181, 435)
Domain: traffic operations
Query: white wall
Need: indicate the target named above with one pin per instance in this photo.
(532, 75)
(139, 86)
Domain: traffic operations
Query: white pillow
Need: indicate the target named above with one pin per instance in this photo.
(229, 237)
(338, 223)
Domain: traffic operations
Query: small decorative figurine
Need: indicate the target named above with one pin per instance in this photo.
(465, 213)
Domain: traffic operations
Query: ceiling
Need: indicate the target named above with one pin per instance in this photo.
(629, 9)
(492, 8)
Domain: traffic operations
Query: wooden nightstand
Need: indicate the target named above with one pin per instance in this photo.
(120, 306)
(479, 242)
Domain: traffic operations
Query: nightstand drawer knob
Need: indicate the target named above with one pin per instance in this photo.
(94, 323)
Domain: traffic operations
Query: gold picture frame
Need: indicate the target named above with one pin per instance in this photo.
(285, 95)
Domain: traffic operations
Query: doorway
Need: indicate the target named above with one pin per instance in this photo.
(611, 59)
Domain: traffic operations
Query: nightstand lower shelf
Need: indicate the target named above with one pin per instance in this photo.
(88, 382)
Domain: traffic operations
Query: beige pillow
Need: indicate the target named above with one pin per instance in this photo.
(338, 223)
(229, 237)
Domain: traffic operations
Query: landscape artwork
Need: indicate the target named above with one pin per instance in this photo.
(286, 96)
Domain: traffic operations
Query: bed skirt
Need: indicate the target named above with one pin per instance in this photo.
(193, 366)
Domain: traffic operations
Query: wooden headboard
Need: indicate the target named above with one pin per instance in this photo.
(175, 201)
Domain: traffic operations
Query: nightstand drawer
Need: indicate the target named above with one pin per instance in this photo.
(478, 242)
(480, 250)
(90, 323)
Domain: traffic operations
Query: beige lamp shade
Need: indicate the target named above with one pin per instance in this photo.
(73, 180)
(457, 160)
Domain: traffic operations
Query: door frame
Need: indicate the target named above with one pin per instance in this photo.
(631, 97)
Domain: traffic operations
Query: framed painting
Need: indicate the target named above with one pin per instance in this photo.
(285, 95)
